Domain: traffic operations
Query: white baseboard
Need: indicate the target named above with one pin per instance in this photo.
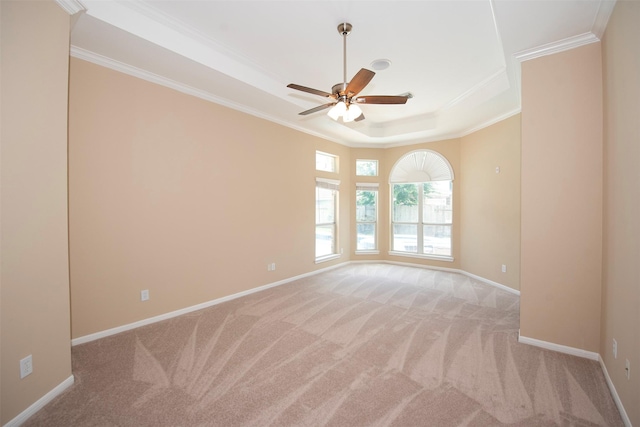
(614, 394)
(453, 270)
(95, 336)
(492, 283)
(587, 355)
(40, 403)
(558, 347)
(113, 331)
(522, 339)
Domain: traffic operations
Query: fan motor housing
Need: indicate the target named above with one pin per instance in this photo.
(338, 89)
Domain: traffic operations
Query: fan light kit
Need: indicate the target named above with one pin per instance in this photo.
(343, 95)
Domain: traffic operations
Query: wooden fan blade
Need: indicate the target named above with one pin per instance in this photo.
(310, 90)
(358, 82)
(380, 99)
(318, 108)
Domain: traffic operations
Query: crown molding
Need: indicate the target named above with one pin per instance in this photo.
(556, 47)
(484, 84)
(86, 55)
(71, 6)
(602, 18)
(490, 122)
(154, 14)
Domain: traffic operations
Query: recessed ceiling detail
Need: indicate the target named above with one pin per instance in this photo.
(380, 64)
(459, 59)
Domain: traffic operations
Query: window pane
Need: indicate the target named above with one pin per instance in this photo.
(405, 203)
(367, 167)
(366, 202)
(325, 205)
(326, 162)
(437, 239)
(366, 237)
(325, 240)
(405, 238)
(437, 202)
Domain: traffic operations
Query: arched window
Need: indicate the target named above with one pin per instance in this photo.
(421, 205)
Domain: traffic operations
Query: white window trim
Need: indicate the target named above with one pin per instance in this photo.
(367, 252)
(326, 258)
(366, 185)
(420, 226)
(330, 184)
(370, 186)
(430, 159)
(336, 163)
(423, 256)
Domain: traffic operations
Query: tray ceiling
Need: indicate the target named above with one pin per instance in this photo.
(459, 59)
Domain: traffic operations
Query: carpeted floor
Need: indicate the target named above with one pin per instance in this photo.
(361, 345)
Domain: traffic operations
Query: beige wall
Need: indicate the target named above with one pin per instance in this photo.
(490, 202)
(621, 274)
(34, 278)
(183, 197)
(157, 202)
(561, 252)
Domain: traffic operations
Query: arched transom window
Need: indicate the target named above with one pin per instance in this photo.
(421, 206)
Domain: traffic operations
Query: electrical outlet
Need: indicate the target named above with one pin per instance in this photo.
(615, 349)
(504, 268)
(627, 369)
(273, 266)
(144, 295)
(26, 366)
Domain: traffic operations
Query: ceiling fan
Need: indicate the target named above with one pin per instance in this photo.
(344, 99)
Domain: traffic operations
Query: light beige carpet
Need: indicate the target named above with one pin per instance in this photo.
(361, 345)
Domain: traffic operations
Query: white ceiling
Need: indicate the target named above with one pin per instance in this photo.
(459, 59)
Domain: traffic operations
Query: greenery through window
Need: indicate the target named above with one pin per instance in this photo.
(366, 167)
(422, 218)
(366, 217)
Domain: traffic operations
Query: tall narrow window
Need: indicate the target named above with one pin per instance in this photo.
(366, 217)
(422, 208)
(327, 191)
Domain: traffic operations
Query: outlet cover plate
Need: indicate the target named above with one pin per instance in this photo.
(26, 366)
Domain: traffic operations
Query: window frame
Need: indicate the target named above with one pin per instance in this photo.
(372, 187)
(430, 164)
(368, 160)
(334, 186)
(420, 225)
(328, 155)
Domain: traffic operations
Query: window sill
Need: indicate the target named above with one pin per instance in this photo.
(370, 252)
(327, 258)
(423, 256)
